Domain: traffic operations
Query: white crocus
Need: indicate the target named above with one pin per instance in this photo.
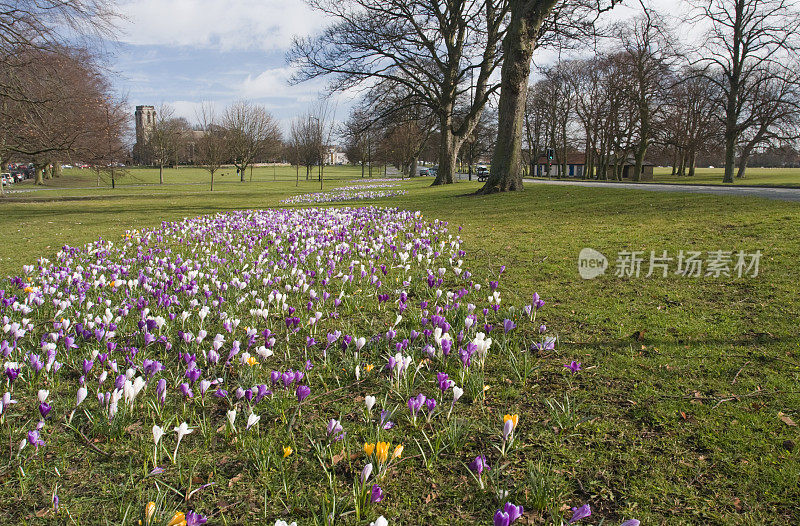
(182, 430)
(43, 394)
(263, 352)
(380, 521)
(369, 401)
(82, 393)
(252, 420)
(158, 432)
(232, 418)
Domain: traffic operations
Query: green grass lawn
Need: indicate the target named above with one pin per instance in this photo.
(788, 177)
(676, 416)
(753, 176)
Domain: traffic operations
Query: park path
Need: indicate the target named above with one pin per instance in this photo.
(780, 194)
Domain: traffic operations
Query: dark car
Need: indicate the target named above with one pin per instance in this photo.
(423, 172)
(482, 172)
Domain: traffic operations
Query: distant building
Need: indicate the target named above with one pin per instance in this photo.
(335, 155)
(576, 167)
(145, 117)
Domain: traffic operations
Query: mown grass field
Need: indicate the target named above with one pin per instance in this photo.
(785, 177)
(676, 416)
(753, 176)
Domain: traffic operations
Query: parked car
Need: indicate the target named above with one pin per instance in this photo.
(6, 179)
(482, 172)
(433, 170)
(424, 172)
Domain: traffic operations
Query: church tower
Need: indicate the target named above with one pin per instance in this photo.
(145, 122)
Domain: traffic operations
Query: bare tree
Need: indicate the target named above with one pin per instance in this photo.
(310, 136)
(531, 23)
(692, 121)
(65, 109)
(440, 52)
(165, 138)
(750, 42)
(646, 49)
(357, 133)
(251, 132)
(212, 146)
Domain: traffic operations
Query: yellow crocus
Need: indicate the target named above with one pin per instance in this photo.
(513, 418)
(368, 367)
(179, 519)
(149, 511)
(287, 451)
(369, 449)
(397, 452)
(252, 361)
(382, 451)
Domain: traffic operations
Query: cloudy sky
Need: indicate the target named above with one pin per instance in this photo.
(183, 52)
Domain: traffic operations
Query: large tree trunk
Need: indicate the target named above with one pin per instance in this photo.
(730, 156)
(48, 171)
(448, 150)
(412, 172)
(518, 44)
(692, 163)
(57, 170)
(39, 174)
(743, 164)
(505, 174)
(641, 151)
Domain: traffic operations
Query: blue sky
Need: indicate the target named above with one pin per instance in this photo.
(184, 52)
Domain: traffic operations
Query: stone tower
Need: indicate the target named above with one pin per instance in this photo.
(145, 122)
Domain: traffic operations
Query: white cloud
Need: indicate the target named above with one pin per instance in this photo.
(224, 25)
(272, 82)
(186, 108)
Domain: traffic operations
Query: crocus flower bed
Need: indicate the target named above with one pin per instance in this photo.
(329, 358)
(347, 193)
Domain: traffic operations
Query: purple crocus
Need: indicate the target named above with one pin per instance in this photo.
(479, 465)
(44, 409)
(12, 373)
(35, 439)
(573, 366)
(580, 513)
(302, 392)
(377, 494)
(630, 522)
(193, 374)
(185, 390)
(501, 518)
(514, 512)
(194, 519)
(508, 325)
(161, 391)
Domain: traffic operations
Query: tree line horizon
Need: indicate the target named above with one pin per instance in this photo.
(451, 77)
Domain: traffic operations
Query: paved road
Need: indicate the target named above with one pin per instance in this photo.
(780, 194)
